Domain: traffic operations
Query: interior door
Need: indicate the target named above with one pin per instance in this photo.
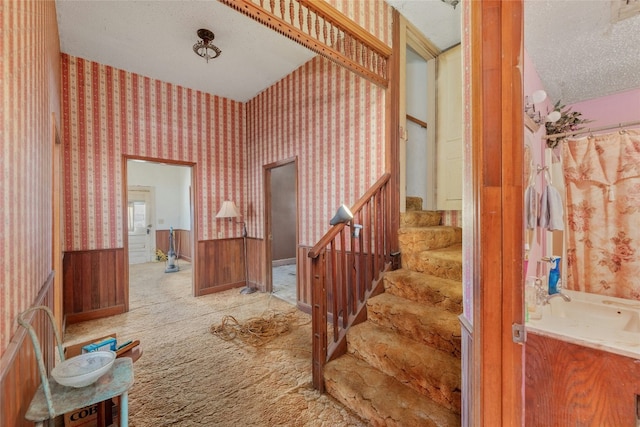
(140, 223)
(449, 130)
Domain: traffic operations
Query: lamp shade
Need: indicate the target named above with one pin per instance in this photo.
(228, 210)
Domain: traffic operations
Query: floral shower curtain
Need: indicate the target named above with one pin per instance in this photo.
(602, 178)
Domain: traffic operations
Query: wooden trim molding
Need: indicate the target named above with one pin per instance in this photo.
(325, 30)
(497, 157)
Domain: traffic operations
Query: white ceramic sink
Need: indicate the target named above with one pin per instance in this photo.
(592, 320)
(608, 316)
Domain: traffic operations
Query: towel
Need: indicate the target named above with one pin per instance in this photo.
(551, 209)
(531, 207)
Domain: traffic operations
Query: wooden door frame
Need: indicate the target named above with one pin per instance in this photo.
(266, 173)
(57, 208)
(193, 214)
(495, 209)
(409, 36)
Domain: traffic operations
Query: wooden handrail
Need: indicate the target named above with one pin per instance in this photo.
(335, 230)
(346, 270)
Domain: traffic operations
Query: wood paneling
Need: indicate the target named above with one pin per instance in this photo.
(220, 265)
(182, 242)
(94, 284)
(256, 266)
(19, 376)
(571, 385)
(303, 279)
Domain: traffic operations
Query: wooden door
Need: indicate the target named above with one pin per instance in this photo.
(140, 222)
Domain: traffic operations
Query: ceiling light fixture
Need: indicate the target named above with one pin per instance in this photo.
(452, 3)
(205, 47)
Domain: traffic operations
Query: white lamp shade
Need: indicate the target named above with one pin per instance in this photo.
(228, 210)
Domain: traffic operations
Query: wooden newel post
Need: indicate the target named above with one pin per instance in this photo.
(319, 325)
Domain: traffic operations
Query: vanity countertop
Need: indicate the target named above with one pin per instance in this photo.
(592, 320)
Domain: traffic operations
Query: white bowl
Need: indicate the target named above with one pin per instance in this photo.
(84, 369)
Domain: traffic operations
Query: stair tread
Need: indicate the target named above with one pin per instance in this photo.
(382, 399)
(452, 252)
(425, 288)
(420, 218)
(427, 370)
(434, 326)
(417, 239)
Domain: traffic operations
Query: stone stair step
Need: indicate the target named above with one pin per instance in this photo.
(433, 326)
(429, 371)
(443, 262)
(420, 218)
(413, 203)
(381, 399)
(425, 289)
(418, 239)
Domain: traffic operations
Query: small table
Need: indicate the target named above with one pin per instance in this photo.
(52, 399)
(66, 399)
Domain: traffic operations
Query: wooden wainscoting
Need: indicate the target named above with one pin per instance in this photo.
(303, 279)
(220, 265)
(19, 375)
(182, 242)
(256, 257)
(94, 284)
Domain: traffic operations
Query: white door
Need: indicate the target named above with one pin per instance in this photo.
(140, 223)
(449, 130)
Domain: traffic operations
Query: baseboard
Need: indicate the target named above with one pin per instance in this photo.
(284, 261)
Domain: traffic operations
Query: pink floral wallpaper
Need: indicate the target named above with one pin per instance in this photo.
(602, 175)
(331, 120)
(109, 113)
(29, 93)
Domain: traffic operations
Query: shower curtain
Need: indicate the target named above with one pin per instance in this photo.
(602, 178)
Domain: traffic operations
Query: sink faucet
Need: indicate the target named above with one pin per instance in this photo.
(565, 297)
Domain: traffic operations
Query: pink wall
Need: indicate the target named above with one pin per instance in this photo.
(30, 90)
(109, 113)
(333, 121)
(372, 15)
(612, 109)
(538, 236)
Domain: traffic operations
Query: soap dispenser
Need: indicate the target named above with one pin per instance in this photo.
(554, 275)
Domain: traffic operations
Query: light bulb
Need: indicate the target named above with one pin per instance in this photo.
(553, 117)
(538, 96)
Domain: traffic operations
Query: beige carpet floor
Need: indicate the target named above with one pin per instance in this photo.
(190, 377)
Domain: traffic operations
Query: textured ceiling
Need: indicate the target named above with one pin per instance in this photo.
(155, 39)
(578, 53)
(577, 50)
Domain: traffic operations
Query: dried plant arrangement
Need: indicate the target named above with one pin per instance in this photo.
(569, 121)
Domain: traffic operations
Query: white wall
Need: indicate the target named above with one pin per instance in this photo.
(171, 184)
(416, 92)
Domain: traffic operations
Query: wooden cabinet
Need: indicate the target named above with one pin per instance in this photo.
(571, 385)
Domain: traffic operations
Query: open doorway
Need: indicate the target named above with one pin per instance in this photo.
(281, 227)
(159, 229)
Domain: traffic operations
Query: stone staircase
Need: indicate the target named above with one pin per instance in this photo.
(402, 366)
